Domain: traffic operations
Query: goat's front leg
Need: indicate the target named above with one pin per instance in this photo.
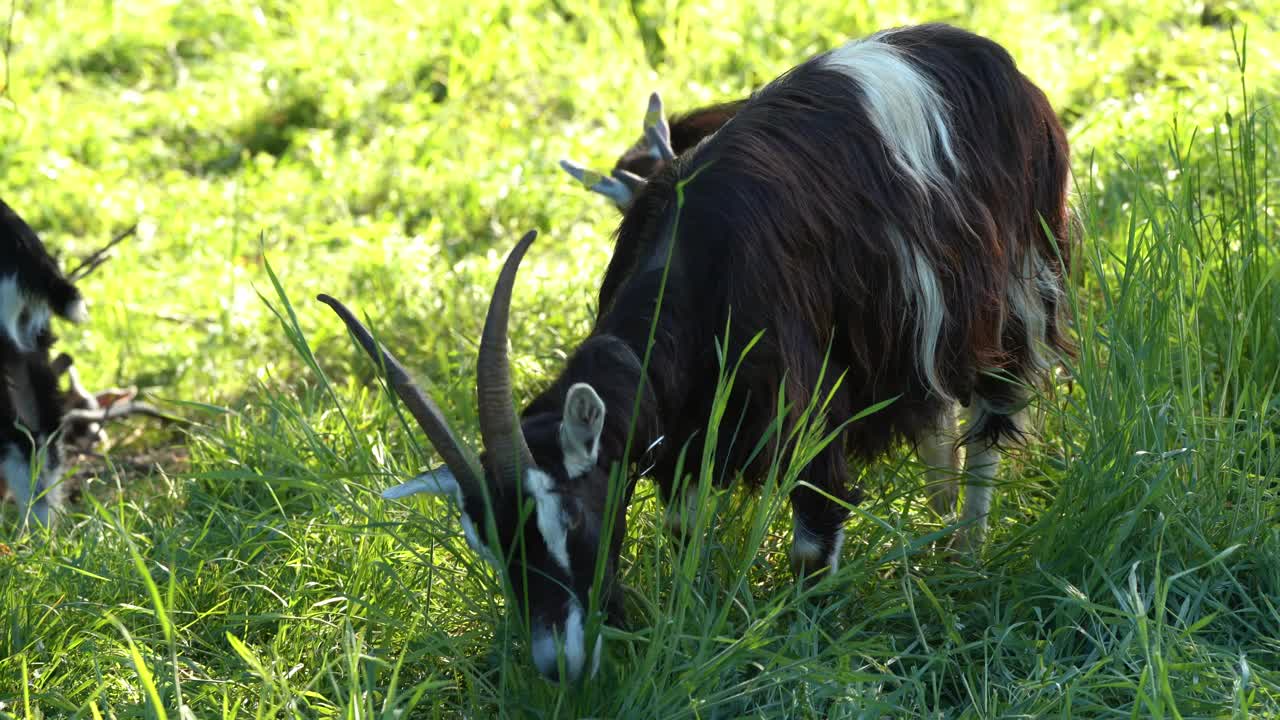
(817, 520)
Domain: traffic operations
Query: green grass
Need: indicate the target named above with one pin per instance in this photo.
(391, 153)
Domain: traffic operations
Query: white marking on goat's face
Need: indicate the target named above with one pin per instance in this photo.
(37, 321)
(580, 429)
(552, 521)
(906, 108)
(548, 641)
(22, 317)
(12, 303)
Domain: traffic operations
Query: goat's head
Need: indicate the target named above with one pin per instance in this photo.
(533, 503)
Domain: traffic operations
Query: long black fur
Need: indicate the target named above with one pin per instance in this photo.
(787, 207)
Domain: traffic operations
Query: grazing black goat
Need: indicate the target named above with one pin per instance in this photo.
(881, 208)
(32, 288)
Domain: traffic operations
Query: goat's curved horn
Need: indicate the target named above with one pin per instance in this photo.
(657, 131)
(499, 425)
(458, 457)
(621, 188)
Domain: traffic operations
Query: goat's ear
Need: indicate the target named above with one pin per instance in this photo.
(439, 481)
(580, 429)
(620, 186)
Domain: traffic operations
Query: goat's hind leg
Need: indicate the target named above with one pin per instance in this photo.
(982, 438)
(939, 451)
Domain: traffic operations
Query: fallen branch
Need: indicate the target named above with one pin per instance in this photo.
(92, 261)
(117, 411)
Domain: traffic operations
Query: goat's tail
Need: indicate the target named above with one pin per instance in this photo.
(66, 301)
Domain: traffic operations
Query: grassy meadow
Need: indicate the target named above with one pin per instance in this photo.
(390, 153)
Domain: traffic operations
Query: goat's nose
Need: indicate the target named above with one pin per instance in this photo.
(548, 647)
(546, 653)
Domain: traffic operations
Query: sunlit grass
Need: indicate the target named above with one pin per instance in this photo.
(391, 153)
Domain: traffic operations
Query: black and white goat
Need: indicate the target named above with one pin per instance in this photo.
(32, 289)
(883, 206)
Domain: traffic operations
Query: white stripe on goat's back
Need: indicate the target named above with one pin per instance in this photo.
(929, 310)
(910, 116)
(907, 110)
(930, 315)
(1028, 292)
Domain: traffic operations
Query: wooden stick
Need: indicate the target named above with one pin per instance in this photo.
(96, 258)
